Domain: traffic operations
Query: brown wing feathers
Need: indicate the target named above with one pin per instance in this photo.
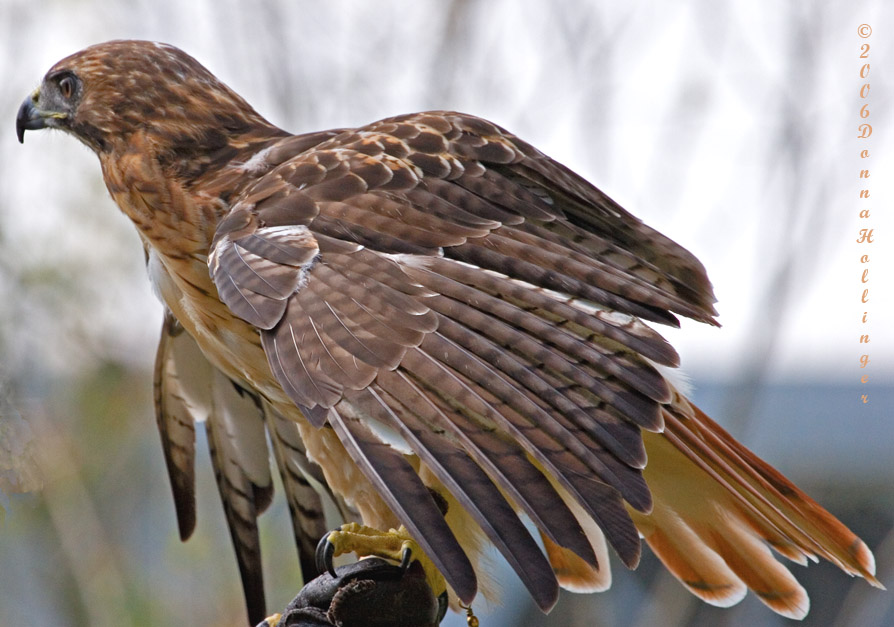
(550, 444)
(399, 485)
(500, 457)
(459, 286)
(473, 489)
(574, 405)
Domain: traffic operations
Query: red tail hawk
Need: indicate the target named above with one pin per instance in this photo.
(426, 312)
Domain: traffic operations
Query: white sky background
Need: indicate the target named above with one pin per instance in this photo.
(730, 127)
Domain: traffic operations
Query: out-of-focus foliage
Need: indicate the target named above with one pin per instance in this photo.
(19, 473)
(727, 125)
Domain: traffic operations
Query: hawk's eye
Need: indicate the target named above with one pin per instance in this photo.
(67, 87)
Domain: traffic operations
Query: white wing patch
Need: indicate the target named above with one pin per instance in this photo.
(258, 162)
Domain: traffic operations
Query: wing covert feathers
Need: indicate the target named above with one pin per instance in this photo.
(434, 278)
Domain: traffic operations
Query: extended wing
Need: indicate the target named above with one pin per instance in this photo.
(434, 277)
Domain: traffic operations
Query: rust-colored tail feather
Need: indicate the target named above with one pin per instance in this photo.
(718, 509)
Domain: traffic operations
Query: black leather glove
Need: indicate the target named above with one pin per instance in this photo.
(370, 593)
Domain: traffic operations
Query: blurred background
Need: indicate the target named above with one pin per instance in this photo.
(731, 127)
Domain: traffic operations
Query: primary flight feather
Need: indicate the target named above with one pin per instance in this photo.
(425, 314)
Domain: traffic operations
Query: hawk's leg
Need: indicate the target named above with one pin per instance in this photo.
(394, 544)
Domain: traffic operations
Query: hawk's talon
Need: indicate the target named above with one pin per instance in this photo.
(406, 557)
(324, 555)
(395, 545)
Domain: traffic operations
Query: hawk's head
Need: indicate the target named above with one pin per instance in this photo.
(107, 92)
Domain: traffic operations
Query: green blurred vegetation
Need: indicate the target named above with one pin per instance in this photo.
(98, 544)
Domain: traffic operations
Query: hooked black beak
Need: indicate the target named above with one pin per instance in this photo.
(30, 118)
